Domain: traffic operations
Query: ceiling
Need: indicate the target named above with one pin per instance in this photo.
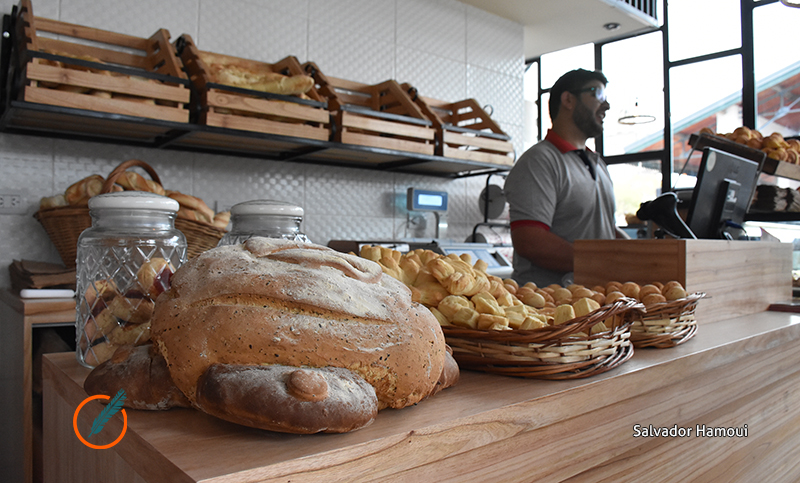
(552, 25)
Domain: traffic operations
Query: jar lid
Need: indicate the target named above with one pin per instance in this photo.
(133, 200)
(266, 207)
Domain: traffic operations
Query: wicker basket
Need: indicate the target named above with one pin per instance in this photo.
(64, 224)
(553, 352)
(667, 324)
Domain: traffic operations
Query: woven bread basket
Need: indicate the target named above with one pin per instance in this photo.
(552, 352)
(64, 224)
(667, 324)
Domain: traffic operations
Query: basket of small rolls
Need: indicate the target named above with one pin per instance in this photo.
(66, 215)
(669, 318)
(494, 325)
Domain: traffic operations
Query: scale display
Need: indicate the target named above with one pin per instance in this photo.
(426, 200)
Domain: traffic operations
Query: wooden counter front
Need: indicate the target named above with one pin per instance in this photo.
(742, 374)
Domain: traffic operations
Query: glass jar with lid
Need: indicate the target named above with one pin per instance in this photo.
(124, 261)
(267, 218)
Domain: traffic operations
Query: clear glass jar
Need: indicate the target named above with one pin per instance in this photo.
(268, 218)
(124, 261)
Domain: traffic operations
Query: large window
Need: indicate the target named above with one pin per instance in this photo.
(708, 84)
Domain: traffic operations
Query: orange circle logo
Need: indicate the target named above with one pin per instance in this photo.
(78, 433)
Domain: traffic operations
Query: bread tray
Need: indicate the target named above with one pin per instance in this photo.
(555, 352)
(667, 324)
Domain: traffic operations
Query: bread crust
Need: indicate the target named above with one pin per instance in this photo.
(273, 301)
(266, 397)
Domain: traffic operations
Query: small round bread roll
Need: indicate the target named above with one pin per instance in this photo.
(613, 287)
(676, 292)
(581, 293)
(647, 290)
(533, 299)
(669, 285)
(653, 298)
(562, 294)
(599, 298)
(614, 296)
(599, 289)
(631, 289)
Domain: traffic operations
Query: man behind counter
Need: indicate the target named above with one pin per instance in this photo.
(558, 191)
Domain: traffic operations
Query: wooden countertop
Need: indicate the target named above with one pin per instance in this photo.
(743, 371)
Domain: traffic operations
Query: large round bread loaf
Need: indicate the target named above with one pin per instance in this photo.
(281, 302)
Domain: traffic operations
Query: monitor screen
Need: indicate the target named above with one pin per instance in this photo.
(724, 190)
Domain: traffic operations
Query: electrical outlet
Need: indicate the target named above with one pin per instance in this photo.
(11, 204)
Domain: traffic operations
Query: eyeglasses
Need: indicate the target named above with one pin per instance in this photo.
(598, 92)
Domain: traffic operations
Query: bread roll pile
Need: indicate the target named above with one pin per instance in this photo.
(120, 318)
(191, 207)
(462, 294)
(774, 145)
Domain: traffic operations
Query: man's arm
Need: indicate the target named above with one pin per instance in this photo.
(542, 248)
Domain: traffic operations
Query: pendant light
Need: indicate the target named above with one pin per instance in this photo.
(636, 117)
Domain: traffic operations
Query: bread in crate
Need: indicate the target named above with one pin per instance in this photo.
(73, 66)
(244, 94)
(380, 115)
(464, 130)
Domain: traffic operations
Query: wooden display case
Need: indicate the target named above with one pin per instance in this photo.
(380, 115)
(739, 277)
(62, 64)
(250, 110)
(464, 130)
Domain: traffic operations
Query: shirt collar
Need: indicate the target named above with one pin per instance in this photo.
(560, 143)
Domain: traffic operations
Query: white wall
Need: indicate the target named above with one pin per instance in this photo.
(448, 50)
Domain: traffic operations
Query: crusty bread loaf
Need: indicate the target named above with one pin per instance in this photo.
(143, 373)
(249, 74)
(193, 203)
(272, 301)
(80, 191)
(288, 399)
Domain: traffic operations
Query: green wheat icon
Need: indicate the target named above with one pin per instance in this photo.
(113, 406)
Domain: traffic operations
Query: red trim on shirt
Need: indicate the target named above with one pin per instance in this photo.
(519, 223)
(560, 143)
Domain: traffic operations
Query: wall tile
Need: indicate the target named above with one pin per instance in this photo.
(493, 42)
(141, 18)
(504, 93)
(434, 26)
(265, 31)
(433, 76)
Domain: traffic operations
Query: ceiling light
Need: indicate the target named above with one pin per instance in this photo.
(612, 26)
(636, 117)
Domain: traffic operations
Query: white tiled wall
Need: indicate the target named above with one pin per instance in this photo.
(448, 50)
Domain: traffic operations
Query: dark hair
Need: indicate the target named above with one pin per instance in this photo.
(572, 81)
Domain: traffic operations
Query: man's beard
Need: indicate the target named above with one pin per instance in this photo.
(585, 120)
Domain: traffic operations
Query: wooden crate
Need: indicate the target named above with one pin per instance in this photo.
(464, 130)
(67, 65)
(739, 277)
(253, 110)
(380, 115)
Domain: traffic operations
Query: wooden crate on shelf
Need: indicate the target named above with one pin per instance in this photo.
(464, 130)
(67, 65)
(380, 115)
(266, 99)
